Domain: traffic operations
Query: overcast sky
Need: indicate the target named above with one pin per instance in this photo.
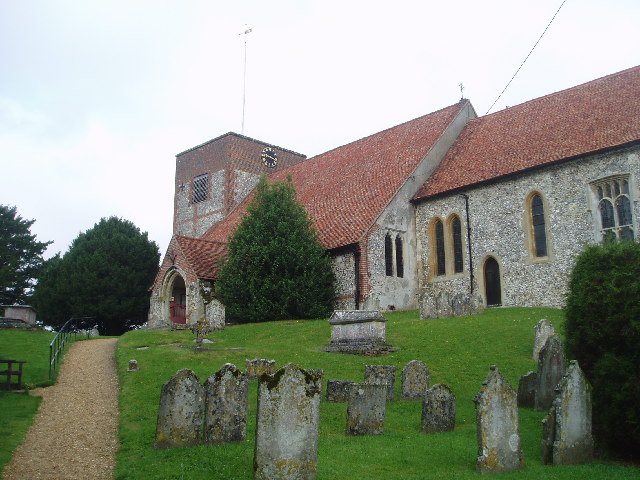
(98, 96)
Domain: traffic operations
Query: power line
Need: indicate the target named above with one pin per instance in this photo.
(526, 58)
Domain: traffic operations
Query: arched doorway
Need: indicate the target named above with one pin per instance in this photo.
(178, 301)
(492, 289)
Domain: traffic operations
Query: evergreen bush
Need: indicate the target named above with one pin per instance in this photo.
(603, 334)
(276, 267)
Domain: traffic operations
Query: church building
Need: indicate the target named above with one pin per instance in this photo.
(447, 213)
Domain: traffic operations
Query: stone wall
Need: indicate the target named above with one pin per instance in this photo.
(343, 265)
(500, 227)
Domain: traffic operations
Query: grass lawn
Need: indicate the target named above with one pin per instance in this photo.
(458, 352)
(17, 410)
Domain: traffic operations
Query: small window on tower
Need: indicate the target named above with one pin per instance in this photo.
(200, 190)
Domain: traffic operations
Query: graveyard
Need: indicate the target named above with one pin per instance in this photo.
(458, 353)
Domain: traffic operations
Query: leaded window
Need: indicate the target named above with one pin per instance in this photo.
(456, 233)
(538, 223)
(440, 255)
(614, 207)
(399, 258)
(388, 255)
(200, 190)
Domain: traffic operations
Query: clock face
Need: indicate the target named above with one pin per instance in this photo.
(269, 157)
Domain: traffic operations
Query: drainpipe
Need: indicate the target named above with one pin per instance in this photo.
(466, 204)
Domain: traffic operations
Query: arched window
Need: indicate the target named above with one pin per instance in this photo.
(456, 233)
(399, 258)
(614, 205)
(538, 224)
(623, 206)
(440, 255)
(492, 288)
(388, 255)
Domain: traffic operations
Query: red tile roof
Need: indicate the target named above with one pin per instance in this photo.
(202, 255)
(594, 116)
(345, 189)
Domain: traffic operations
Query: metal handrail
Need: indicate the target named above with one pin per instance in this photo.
(56, 347)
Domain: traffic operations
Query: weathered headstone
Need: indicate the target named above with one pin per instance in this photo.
(358, 332)
(497, 426)
(226, 406)
(287, 424)
(438, 409)
(527, 390)
(338, 390)
(551, 368)
(541, 332)
(366, 409)
(319, 374)
(259, 366)
(381, 375)
(133, 366)
(181, 411)
(415, 380)
(569, 431)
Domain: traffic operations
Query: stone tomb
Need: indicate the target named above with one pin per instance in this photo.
(358, 332)
(381, 375)
(338, 390)
(259, 366)
(438, 410)
(366, 409)
(567, 438)
(181, 411)
(226, 406)
(551, 368)
(287, 424)
(415, 380)
(497, 426)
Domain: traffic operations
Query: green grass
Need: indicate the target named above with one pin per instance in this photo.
(458, 352)
(17, 410)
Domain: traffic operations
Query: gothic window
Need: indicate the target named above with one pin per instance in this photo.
(388, 255)
(200, 188)
(399, 259)
(614, 207)
(538, 224)
(440, 254)
(456, 232)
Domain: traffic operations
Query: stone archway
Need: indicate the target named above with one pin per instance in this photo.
(175, 295)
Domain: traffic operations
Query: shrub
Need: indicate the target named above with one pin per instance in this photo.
(603, 334)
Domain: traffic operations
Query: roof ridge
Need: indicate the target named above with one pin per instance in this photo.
(244, 137)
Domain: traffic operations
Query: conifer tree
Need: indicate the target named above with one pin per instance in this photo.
(276, 267)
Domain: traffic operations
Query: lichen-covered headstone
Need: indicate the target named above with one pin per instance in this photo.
(181, 411)
(570, 428)
(338, 390)
(527, 390)
(497, 426)
(259, 366)
(381, 375)
(551, 368)
(438, 409)
(366, 409)
(415, 380)
(287, 424)
(133, 366)
(542, 331)
(226, 406)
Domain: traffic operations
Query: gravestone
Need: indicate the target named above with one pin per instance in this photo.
(226, 406)
(567, 438)
(259, 366)
(497, 426)
(551, 367)
(358, 332)
(541, 332)
(381, 375)
(415, 380)
(366, 409)
(133, 366)
(338, 390)
(527, 390)
(438, 409)
(319, 373)
(181, 411)
(287, 424)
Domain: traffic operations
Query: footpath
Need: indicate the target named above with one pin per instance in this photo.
(75, 433)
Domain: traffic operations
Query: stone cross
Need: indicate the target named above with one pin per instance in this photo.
(226, 406)
(542, 331)
(201, 329)
(383, 375)
(415, 380)
(181, 411)
(287, 425)
(551, 367)
(497, 424)
(366, 409)
(438, 409)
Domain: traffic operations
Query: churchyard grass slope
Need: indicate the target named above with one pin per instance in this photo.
(458, 352)
(17, 410)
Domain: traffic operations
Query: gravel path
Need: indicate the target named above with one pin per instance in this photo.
(74, 435)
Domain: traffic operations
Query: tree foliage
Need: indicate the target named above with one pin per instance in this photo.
(603, 334)
(276, 267)
(106, 274)
(20, 257)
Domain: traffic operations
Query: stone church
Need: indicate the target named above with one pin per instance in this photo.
(447, 213)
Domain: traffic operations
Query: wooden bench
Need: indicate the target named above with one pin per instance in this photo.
(10, 372)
